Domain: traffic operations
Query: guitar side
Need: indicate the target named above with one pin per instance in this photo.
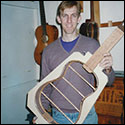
(91, 28)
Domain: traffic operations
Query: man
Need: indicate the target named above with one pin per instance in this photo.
(68, 16)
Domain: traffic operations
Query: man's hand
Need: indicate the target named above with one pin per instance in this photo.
(107, 62)
(34, 120)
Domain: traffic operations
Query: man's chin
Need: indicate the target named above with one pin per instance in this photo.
(70, 31)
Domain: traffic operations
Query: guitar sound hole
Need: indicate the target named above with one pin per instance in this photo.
(45, 38)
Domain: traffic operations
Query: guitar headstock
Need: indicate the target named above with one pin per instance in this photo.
(121, 26)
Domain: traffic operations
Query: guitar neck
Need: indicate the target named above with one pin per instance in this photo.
(107, 45)
(43, 18)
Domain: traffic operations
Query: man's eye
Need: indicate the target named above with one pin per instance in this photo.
(74, 15)
(64, 15)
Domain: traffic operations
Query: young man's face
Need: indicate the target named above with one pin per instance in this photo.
(69, 19)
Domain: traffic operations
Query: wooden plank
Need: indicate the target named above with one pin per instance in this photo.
(110, 24)
(96, 12)
(81, 2)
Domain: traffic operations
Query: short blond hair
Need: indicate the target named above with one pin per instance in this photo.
(68, 4)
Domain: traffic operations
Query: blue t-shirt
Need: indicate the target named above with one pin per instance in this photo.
(69, 45)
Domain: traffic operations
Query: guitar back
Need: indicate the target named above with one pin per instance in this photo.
(90, 29)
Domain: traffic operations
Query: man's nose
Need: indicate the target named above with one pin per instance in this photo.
(69, 20)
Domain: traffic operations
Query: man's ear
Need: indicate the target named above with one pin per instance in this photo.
(79, 19)
(58, 19)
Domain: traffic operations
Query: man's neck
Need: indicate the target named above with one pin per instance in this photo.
(69, 37)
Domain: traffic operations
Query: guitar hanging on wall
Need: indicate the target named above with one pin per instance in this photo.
(90, 63)
(45, 34)
(90, 27)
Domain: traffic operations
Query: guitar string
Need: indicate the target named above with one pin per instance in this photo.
(82, 78)
(65, 97)
(57, 107)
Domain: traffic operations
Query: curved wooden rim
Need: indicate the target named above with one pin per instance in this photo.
(42, 111)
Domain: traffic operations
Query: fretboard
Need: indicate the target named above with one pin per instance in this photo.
(43, 18)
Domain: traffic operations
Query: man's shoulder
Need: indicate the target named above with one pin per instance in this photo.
(88, 39)
(52, 44)
(89, 44)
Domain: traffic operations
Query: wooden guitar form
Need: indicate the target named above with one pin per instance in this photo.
(45, 35)
(91, 64)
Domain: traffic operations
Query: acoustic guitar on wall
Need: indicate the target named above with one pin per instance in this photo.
(45, 34)
(90, 27)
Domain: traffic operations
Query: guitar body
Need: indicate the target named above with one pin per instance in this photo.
(44, 40)
(45, 34)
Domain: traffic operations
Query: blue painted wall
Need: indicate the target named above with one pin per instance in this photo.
(19, 20)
